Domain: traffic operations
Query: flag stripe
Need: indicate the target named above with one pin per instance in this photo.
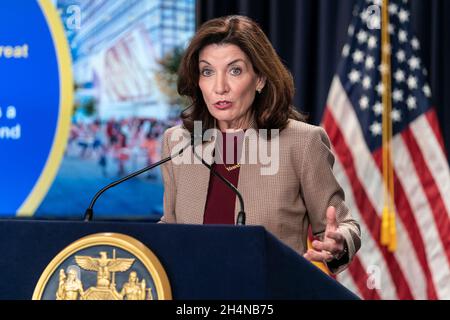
(343, 112)
(358, 272)
(427, 141)
(369, 255)
(404, 211)
(420, 208)
(431, 190)
(434, 124)
(368, 213)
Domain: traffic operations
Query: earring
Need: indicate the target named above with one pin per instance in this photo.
(258, 90)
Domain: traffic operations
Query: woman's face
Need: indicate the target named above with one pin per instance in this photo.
(228, 84)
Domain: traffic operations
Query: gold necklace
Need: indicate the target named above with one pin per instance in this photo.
(234, 166)
(229, 168)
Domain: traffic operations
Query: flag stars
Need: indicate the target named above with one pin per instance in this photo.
(380, 88)
(403, 15)
(393, 8)
(375, 128)
(395, 90)
(361, 36)
(354, 76)
(397, 95)
(370, 62)
(377, 108)
(399, 76)
(372, 42)
(365, 67)
(364, 102)
(412, 82)
(415, 43)
(401, 57)
(411, 103)
(358, 56)
(345, 50)
(427, 91)
(396, 115)
(414, 63)
(366, 82)
(364, 15)
(351, 30)
(402, 36)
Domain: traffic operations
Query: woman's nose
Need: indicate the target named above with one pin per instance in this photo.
(221, 85)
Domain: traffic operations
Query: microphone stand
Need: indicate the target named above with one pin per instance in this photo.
(89, 213)
(240, 221)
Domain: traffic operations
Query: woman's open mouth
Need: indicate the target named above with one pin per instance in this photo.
(223, 104)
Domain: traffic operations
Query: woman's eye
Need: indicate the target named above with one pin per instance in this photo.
(206, 72)
(236, 71)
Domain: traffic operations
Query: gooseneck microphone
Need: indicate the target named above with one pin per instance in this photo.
(240, 221)
(89, 213)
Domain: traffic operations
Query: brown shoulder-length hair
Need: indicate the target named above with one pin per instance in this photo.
(272, 107)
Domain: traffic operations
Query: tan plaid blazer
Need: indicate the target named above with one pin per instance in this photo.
(285, 203)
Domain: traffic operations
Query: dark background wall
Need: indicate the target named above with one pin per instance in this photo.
(309, 36)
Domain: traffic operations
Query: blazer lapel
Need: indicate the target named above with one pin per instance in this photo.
(199, 175)
(247, 174)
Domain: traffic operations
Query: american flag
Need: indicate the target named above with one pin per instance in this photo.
(420, 266)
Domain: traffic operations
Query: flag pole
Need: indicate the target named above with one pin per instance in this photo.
(388, 225)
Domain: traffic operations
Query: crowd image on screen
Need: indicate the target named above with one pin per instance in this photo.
(118, 147)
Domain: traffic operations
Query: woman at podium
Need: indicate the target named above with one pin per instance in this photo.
(242, 93)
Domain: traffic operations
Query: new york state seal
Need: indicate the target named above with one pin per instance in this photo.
(104, 266)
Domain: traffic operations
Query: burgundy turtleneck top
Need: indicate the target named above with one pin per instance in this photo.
(221, 200)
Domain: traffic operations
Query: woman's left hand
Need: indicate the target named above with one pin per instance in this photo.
(332, 246)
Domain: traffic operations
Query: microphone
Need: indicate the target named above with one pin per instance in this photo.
(89, 213)
(240, 221)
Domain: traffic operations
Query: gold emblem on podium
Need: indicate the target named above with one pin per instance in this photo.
(104, 266)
